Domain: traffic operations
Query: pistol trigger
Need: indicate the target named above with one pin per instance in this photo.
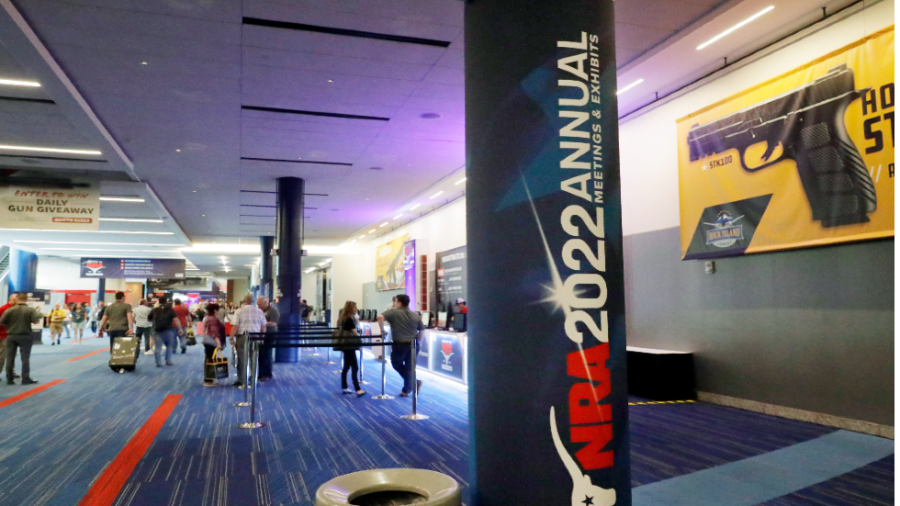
(770, 148)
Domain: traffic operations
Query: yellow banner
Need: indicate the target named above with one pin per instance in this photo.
(390, 273)
(804, 159)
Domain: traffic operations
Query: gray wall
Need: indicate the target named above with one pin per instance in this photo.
(377, 300)
(811, 329)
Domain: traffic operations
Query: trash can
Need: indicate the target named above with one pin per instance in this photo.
(390, 487)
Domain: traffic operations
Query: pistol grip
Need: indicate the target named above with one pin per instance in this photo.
(838, 186)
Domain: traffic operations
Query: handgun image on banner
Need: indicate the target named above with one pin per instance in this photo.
(807, 125)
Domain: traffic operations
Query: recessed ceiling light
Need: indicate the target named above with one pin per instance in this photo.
(632, 85)
(178, 151)
(398, 216)
(203, 215)
(189, 269)
(370, 231)
(132, 220)
(194, 191)
(430, 115)
(353, 241)
(415, 206)
(121, 199)
(143, 63)
(53, 150)
(299, 158)
(460, 181)
(13, 82)
(362, 236)
(383, 225)
(331, 80)
(735, 27)
(435, 195)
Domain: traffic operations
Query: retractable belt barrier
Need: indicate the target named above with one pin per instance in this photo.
(253, 342)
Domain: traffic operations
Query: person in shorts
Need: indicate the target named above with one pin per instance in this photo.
(57, 321)
(79, 318)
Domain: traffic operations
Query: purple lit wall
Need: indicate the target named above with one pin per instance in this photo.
(409, 267)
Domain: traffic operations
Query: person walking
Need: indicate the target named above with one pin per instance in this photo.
(165, 324)
(118, 320)
(10, 303)
(348, 334)
(405, 328)
(213, 338)
(248, 318)
(142, 324)
(17, 321)
(265, 351)
(184, 317)
(57, 319)
(79, 317)
(305, 310)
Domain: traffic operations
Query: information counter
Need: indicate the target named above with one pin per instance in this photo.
(445, 354)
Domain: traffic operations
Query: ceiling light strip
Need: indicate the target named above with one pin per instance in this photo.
(735, 27)
(86, 231)
(122, 199)
(51, 150)
(14, 82)
(132, 220)
(632, 85)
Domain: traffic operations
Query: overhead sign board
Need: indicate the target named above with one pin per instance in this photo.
(142, 268)
(34, 207)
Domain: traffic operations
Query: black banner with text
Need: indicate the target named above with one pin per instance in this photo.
(548, 392)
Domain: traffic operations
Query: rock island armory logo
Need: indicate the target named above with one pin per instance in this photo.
(94, 267)
(724, 232)
(447, 352)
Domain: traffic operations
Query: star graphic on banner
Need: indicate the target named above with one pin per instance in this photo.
(588, 501)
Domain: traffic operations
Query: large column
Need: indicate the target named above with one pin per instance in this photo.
(289, 235)
(548, 393)
(22, 271)
(101, 290)
(266, 280)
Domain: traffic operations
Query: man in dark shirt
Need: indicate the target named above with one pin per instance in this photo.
(117, 320)
(12, 302)
(405, 328)
(164, 321)
(305, 310)
(17, 321)
(265, 351)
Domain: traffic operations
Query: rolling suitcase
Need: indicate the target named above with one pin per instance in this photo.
(124, 354)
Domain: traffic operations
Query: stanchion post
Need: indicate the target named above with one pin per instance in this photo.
(339, 371)
(328, 361)
(253, 424)
(415, 393)
(362, 380)
(383, 396)
(246, 353)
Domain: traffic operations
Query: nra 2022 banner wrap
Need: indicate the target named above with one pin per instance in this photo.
(548, 403)
(76, 207)
(390, 273)
(132, 268)
(804, 159)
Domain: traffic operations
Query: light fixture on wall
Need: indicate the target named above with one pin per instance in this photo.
(413, 207)
(436, 195)
(460, 181)
(383, 225)
(735, 27)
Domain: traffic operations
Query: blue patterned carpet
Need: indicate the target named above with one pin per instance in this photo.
(56, 443)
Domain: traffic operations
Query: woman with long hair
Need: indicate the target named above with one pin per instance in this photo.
(347, 333)
(213, 337)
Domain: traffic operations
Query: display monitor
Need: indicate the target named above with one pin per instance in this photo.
(426, 318)
(442, 319)
(376, 330)
(459, 322)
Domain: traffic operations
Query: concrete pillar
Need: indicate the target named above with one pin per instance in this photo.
(22, 271)
(548, 393)
(289, 237)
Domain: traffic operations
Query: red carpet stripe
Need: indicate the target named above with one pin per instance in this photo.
(17, 398)
(88, 355)
(110, 483)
